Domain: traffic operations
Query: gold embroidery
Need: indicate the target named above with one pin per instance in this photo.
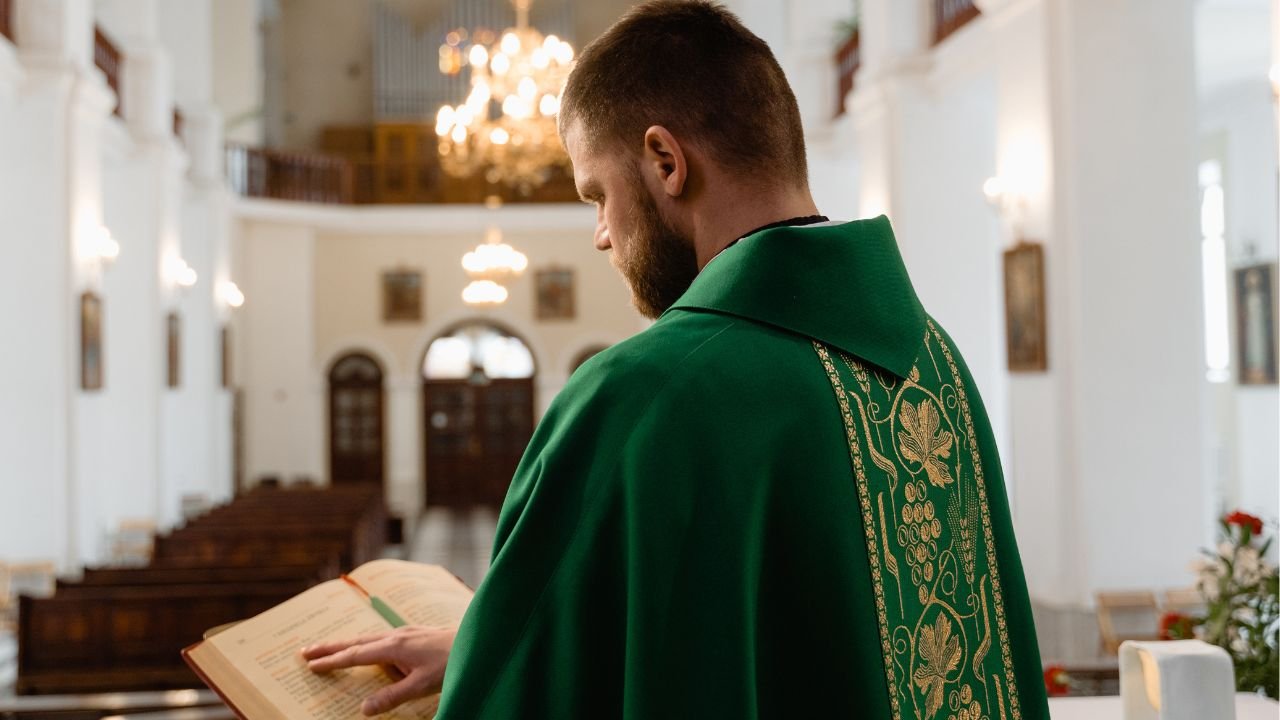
(873, 556)
(997, 595)
(936, 641)
(940, 651)
(923, 443)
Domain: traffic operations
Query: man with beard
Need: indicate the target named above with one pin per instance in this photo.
(782, 499)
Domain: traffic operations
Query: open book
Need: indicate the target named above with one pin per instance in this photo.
(257, 669)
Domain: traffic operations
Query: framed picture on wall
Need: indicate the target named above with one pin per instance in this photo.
(402, 296)
(1024, 311)
(1256, 324)
(173, 344)
(91, 373)
(224, 337)
(554, 294)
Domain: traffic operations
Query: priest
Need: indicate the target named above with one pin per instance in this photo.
(783, 499)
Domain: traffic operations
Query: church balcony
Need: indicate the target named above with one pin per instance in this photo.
(355, 169)
(6, 19)
(303, 176)
(107, 57)
(848, 60)
(951, 15)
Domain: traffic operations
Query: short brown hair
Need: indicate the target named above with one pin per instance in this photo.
(692, 67)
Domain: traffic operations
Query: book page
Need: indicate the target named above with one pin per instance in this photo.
(420, 594)
(266, 651)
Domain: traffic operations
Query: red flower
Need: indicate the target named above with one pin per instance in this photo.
(1244, 519)
(1056, 681)
(1176, 626)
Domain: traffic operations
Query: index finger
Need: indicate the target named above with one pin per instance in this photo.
(377, 652)
(311, 652)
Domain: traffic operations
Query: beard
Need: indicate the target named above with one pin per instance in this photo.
(661, 263)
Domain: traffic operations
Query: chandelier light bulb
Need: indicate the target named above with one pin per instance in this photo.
(484, 292)
(528, 89)
(516, 72)
(564, 53)
(500, 64)
(511, 43)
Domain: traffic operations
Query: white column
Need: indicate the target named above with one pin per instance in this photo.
(1124, 403)
(52, 205)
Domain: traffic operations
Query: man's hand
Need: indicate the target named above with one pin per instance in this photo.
(419, 653)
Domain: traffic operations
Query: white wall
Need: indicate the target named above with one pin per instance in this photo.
(238, 69)
(313, 277)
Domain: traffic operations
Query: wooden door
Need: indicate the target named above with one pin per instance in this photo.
(355, 421)
(476, 434)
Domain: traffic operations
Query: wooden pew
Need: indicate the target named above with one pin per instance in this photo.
(186, 575)
(121, 629)
(99, 639)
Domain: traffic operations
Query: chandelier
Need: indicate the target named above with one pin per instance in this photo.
(506, 128)
(491, 266)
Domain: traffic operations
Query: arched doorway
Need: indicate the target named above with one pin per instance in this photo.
(478, 413)
(355, 420)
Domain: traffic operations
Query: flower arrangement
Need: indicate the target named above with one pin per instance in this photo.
(1240, 589)
(1057, 682)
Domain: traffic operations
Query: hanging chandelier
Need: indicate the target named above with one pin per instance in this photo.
(491, 266)
(506, 128)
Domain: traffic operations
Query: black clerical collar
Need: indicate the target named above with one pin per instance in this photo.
(793, 222)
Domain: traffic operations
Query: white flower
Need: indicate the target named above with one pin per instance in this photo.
(1248, 567)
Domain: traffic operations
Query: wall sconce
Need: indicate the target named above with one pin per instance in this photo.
(180, 273)
(230, 294)
(101, 247)
(1007, 201)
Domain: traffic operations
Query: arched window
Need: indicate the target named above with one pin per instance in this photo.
(355, 420)
(478, 412)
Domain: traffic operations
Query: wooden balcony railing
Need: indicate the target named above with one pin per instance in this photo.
(6, 19)
(848, 60)
(306, 176)
(364, 179)
(951, 15)
(107, 57)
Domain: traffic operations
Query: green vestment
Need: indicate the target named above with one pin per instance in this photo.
(782, 500)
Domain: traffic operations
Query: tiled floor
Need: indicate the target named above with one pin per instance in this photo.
(460, 540)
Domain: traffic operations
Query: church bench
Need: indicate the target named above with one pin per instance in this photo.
(103, 638)
(93, 706)
(189, 575)
(244, 550)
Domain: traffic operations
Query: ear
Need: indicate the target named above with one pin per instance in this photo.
(664, 158)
